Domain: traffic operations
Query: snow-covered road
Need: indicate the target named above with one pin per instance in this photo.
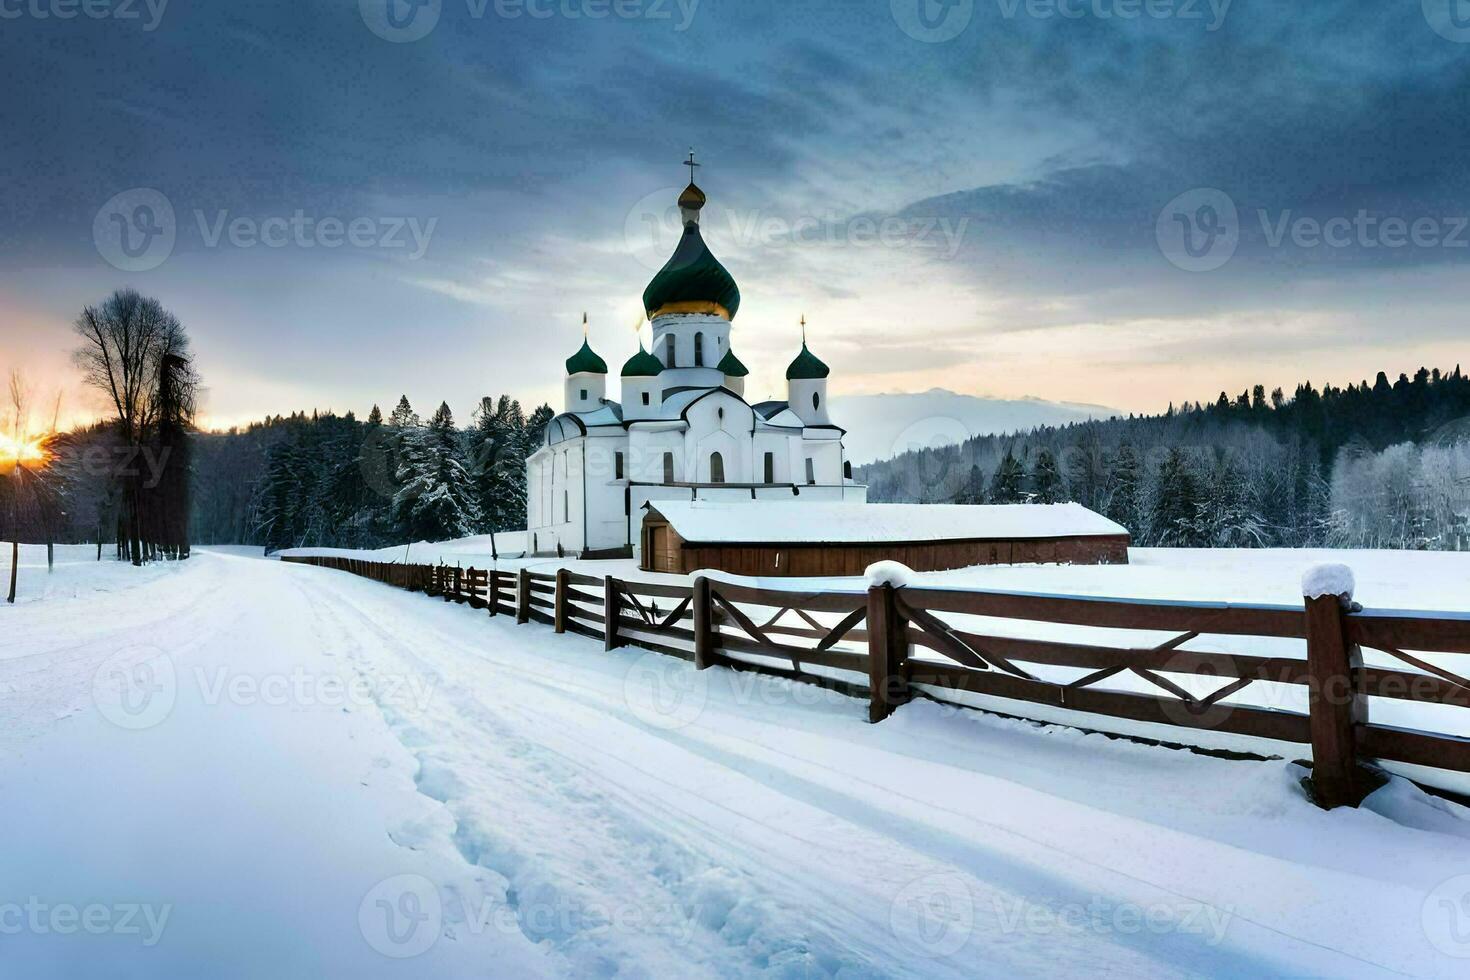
(236, 767)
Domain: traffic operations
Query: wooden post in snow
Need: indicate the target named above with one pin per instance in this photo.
(523, 597)
(887, 650)
(1335, 703)
(492, 586)
(559, 601)
(704, 634)
(611, 604)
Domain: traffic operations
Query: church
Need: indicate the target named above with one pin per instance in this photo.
(682, 429)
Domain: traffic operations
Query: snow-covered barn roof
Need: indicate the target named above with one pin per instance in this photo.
(820, 522)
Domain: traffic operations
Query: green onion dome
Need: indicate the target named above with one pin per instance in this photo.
(642, 365)
(806, 367)
(586, 361)
(693, 280)
(731, 367)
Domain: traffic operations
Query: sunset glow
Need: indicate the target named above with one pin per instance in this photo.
(25, 451)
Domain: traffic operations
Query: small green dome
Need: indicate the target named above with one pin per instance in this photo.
(692, 281)
(642, 365)
(806, 367)
(731, 367)
(586, 361)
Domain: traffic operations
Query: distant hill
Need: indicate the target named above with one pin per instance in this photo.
(884, 426)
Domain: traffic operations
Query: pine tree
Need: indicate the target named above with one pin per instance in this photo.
(1175, 503)
(1007, 486)
(436, 499)
(1046, 479)
(1123, 490)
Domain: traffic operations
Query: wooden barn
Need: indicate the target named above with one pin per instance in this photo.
(822, 539)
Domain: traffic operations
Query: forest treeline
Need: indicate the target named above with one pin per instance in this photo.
(326, 480)
(1385, 464)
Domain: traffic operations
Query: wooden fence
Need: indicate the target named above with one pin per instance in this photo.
(955, 645)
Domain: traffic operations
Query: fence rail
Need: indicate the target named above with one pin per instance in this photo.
(953, 645)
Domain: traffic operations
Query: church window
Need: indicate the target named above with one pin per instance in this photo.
(566, 505)
(811, 470)
(670, 348)
(816, 400)
(716, 468)
(583, 396)
(617, 466)
(668, 467)
(645, 398)
(847, 468)
(699, 350)
(770, 467)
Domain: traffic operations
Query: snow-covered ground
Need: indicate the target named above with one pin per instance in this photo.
(240, 767)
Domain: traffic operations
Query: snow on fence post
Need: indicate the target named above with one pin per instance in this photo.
(886, 653)
(703, 634)
(559, 602)
(1335, 703)
(611, 604)
(523, 597)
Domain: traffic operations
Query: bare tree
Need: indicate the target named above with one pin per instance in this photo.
(135, 353)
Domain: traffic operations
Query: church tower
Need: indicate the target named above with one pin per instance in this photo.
(691, 303)
(806, 385)
(586, 384)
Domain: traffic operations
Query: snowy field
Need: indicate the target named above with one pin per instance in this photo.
(236, 767)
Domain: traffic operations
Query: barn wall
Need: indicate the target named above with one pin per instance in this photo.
(846, 560)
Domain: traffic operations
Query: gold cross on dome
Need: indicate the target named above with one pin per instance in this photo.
(691, 164)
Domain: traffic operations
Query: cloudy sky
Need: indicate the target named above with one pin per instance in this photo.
(1124, 202)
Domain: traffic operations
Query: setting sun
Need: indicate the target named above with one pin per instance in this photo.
(13, 450)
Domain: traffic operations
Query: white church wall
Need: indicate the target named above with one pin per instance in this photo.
(721, 423)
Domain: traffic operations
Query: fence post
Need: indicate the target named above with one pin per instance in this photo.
(559, 603)
(611, 604)
(492, 585)
(1335, 704)
(523, 597)
(704, 634)
(886, 653)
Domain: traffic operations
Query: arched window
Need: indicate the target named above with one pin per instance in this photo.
(816, 400)
(699, 350)
(668, 467)
(716, 468)
(670, 356)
